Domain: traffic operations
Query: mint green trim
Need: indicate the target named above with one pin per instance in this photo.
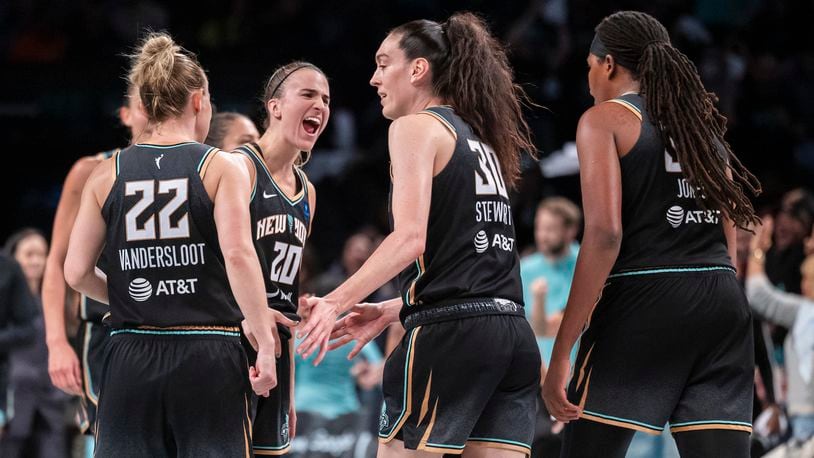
(147, 145)
(406, 375)
(502, 441)
(670, 270)
(85, 351)
(710, 422)
(415, 280)
(203, 159)
(455, 447)
(624, 420)
(159, 332)
(270, 447)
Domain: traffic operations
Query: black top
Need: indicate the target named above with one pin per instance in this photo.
(89, 309)
(166, 267)
(17, 307)
(17, 314)
(470, 250)
(663, 225)
(280, 226)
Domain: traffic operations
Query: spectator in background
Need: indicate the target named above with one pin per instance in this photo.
(228, 130)
(797, 313)
(547, 273)
(17, 314)
(39, 407)
(330, 411)
(793, 223)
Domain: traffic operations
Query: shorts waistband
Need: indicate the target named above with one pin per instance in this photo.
(475, 307)
(672, 270)
(225, 331)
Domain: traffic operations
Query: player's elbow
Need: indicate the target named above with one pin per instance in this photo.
(238, 257)
(75, 274)
(605, 236)
(413, 243)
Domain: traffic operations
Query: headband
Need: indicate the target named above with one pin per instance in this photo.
(285, 78)
(598, 48)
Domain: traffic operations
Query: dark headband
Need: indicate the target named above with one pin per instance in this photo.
(598, 48)
(286, 77)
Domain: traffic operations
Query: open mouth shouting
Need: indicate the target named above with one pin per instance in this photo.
(311, 124)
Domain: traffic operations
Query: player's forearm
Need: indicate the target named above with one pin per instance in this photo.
(246, 281)
(391, 309)
(595, 260)
(53, 302)
(395, 253)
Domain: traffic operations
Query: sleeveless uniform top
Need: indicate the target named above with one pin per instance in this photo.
(165, 267)
(663, 224)
(470, 251)
(89, 309)
(280, 226)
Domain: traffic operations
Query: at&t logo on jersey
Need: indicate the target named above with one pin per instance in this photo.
(481, 242)
(141, 290)
(676, 216)
(499, 241)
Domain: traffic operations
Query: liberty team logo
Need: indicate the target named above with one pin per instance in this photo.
(384, 420)
(284, 430)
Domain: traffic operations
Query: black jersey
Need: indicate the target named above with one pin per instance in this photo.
(165, 267)
(663, 224)
(470, 250)
(280, 226)
(89, 309)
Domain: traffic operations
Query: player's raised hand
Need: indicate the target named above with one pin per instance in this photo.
(316, 330)
(363, 323)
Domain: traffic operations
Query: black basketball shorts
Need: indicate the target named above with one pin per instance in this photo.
(668, 345)
(463, 383)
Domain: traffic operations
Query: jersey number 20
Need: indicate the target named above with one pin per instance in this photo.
(165, 230)
(286, 264)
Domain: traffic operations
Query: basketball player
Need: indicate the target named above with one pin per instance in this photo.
(670, 339)
(465, 377)
(69, 373)
(171, 215)
(283, 201)
(228, 130)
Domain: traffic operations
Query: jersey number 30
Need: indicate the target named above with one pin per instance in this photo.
(488, 179)
(165, 229)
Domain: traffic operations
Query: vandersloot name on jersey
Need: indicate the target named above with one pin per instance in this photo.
(162, 257)
(157, 257)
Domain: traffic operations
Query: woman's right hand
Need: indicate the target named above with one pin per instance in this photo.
(263, 375)
(363, 323)
(554, 391)
(63, 367)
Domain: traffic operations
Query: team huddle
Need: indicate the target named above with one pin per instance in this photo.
(187, 256)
